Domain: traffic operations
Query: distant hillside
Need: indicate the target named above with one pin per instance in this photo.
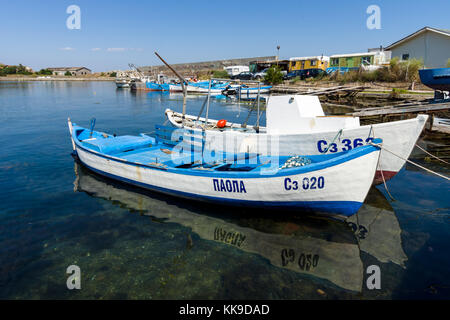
(194, 68)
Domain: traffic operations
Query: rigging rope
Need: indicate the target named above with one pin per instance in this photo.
(431, 155)
(409, 161)
(384, 180)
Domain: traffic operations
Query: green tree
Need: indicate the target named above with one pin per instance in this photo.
(68, 74)
(10, 70)
(113, 74)
(45, 72)
(448, 63)
(274, 75)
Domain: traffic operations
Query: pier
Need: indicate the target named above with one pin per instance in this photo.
(400, 112)
(347, 91)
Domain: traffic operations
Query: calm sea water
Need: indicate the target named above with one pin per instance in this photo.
(132, 244)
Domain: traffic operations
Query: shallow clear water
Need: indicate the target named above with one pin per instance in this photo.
(130, 243)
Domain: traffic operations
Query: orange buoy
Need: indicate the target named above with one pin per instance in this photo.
(221, 123)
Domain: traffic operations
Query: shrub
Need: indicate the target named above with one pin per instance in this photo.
(68, 74)
(221, 74)
(412, 68)
(45, 72)
(113, 74)
(295, 80)
(395, 94)
(448, 63)
(274, 75)
(397, 71)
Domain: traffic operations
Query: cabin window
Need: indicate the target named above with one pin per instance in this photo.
(335, 61)
(365, 60)
(313, 63)
(405, 56)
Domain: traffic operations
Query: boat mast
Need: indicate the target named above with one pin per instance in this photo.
(183, 81)
(258, 98)
(207, 105)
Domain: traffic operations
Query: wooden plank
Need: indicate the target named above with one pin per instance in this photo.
(399, 110)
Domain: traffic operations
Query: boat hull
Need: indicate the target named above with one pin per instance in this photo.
(318, 190)
(398, 136)
(340, 203)
(122, 85)
(437, 79)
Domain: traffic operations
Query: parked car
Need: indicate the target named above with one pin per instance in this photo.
(304, 74)
(260, 75)
(243, 76)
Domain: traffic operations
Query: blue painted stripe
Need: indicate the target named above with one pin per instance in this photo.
(344, 208)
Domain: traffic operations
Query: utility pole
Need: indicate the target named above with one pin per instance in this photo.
(278, 54)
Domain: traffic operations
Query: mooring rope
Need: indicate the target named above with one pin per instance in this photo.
(431, 155)
(409, 161)
(384, 180)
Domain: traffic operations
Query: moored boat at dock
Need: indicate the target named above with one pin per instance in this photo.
(335, 184)
(122, 83)
(298, 125)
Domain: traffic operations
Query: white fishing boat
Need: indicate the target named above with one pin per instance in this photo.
(201, 87)
(246, 91)
(335, 184)
(123, 83)
(297, 125)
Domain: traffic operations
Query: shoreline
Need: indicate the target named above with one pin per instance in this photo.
(57, 79)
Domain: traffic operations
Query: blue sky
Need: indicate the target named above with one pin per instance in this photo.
(34, 33)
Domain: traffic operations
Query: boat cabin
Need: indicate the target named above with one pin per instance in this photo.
(299, 114)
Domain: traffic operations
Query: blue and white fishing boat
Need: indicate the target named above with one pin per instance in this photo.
(245, 90)
(201, 87)
(298, 125)
(154, 86)
(170, 163)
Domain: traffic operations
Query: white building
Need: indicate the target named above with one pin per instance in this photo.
(74, 71)
(429, 44)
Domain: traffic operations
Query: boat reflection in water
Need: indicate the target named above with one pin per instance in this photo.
(318, 247)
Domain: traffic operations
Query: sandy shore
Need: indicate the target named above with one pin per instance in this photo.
(57, 79)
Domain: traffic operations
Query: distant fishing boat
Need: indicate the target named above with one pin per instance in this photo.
(246, 91)
(437, 79)
(154, 86)
(123, 83)
(201, 87)
(335, 184)
(298, 125)
(191, 87)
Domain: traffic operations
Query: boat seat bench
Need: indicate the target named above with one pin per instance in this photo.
(116, 145)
